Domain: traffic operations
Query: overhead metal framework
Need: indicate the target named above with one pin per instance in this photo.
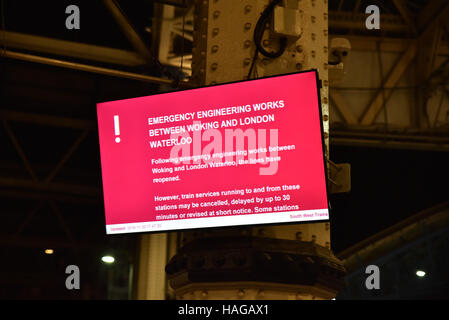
(416, 33)
(70, 49)
(44, 45)
(85, 67)
(406, 27)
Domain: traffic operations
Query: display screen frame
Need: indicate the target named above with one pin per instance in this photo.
(318, 84)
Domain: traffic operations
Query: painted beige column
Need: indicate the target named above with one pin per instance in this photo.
(152, 281)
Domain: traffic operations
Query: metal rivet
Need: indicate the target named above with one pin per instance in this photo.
(327, 225)
(266, 42)
(325, 49)
(313, 19)
(298, 235)
(216, 14)
(313, 36)
(214, 48)
(247, 61)
(325, 100)
(326, 83)
(326, 32)
(247, 43)
(204, 294)
(298, 66)
(215, 31)
(313, 238)
(247, 26)
(326, 118)
(313, 53)
(299, 48)
(325, 16)
(241, 293)
(248, 8)
(214, 66)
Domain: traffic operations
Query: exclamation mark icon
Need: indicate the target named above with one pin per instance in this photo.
(117, 129)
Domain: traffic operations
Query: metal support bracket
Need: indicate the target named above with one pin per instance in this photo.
(339, 177)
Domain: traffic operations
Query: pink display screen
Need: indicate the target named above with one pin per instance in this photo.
(244, 153)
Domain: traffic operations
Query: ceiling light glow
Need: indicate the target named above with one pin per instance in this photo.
(108, 259)
(420, 273)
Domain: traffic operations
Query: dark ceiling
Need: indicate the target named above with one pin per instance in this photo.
(47, 18)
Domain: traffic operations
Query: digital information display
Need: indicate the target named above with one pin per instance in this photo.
(242, 153)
